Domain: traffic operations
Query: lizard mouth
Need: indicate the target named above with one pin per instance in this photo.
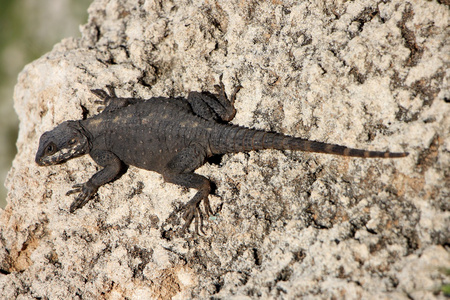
(58, 157)
(50, 160)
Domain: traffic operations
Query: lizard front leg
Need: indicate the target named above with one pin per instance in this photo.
(112, 167)
(110, 102)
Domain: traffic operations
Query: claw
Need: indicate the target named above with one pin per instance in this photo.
(85, 190)
(99, 102)
(101, 94)
(78, 203)
(193, 213)
(112, 93)
(188, 216)
(220, 88)
(104, 96)
(201, 224)
(208, 209)
(76, 188)
(233, 95)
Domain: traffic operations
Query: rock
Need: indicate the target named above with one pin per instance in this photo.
(288, 225)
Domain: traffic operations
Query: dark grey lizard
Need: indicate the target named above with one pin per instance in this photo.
(172, 136)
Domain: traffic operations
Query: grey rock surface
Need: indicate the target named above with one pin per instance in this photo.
(288, 224)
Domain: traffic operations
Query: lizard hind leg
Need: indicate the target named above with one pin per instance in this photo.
(214, 106)
(192, 211)
(180, 170)
(228, 104)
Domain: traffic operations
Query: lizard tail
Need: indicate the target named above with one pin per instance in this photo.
(241, 139)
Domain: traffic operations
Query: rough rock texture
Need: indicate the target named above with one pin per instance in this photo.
(288, 225)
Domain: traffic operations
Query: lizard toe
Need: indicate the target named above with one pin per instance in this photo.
(76, 188)
(86, 192)
(194, 214)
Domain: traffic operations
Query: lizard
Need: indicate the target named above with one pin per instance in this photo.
(171, 136)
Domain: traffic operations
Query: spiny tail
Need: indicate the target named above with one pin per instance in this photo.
(241, 139)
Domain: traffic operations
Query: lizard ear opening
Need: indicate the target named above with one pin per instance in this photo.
(73, 141)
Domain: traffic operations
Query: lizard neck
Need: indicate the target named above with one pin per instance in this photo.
(87, 134)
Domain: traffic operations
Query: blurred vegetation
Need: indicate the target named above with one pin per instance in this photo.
(445, 289)
(28, 29)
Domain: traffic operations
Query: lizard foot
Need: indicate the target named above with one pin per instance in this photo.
(220, 90)
(105, 98)
(85, 190)
(194, 213)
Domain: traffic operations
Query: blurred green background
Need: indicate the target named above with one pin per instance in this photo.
(28, 29)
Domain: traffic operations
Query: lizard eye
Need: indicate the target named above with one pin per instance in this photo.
(50, 148)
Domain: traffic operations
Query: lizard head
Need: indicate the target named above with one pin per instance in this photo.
(66, 141)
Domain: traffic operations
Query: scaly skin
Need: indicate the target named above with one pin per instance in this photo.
(171, 136)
